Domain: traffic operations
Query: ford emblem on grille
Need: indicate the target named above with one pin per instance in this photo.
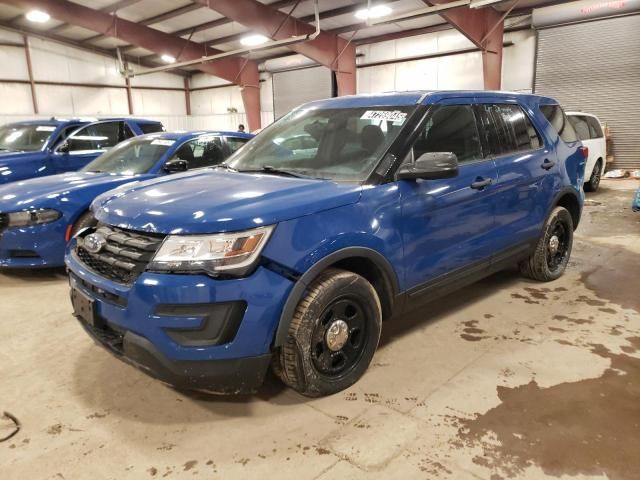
(94, 242)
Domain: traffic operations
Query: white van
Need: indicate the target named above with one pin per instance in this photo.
(590, 131)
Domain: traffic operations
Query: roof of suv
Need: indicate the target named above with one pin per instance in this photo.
(392, 99)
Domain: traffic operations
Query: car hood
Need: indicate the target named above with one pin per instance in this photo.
(54, 190)
(217, 201)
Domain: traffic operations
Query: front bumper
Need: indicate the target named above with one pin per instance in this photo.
(36, 246)
(135, 324)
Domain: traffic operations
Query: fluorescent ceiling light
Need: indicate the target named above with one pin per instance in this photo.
(373, 12)
(168, 59)
(38, 16)
(253, 40)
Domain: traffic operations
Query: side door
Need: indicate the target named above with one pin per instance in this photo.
(86, 144)
(526, 168)
(447, 224)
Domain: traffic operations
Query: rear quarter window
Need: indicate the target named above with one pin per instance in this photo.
(560, 123)
(151, 127)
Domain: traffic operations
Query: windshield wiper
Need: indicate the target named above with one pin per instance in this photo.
(226, 166)
(275, 171)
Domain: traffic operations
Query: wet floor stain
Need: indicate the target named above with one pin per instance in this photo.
(524, 298)
(588, 427)
(575, 321)
(618, 282)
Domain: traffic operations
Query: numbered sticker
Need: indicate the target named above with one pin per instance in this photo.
(395, 116)
(166, 143)
(45, 128)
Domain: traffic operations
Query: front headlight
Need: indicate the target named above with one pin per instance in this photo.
(219, 254)
(32, 217)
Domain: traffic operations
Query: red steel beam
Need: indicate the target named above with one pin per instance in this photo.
(327, 49)
(485, 28)
(27, 52)
(236, 70)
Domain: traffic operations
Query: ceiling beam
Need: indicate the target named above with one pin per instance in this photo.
(327, 49)
(148, 63)
(114, 7)
(237, 70)
(156, 18)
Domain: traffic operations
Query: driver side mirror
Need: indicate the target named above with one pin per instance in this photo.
(176, 165)
(63, 147)
(430, 166)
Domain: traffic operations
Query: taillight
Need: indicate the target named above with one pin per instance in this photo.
(585, 151)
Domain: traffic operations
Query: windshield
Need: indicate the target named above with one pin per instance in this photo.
(131, 157)
(24, 138)
(342, 144)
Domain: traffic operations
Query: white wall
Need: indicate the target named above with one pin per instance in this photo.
(462, 71)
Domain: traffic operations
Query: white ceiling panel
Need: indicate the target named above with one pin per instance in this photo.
(188, 20)
(150, 8)
(76, 33)
(7, 12)
(108, 43)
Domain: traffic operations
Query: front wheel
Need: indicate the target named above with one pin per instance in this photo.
(333, 335)
(594, 181)
(551, 255)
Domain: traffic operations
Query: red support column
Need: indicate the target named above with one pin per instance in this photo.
(250, 81)
(129, 95)
(485, 28)
(187, 96)
(27, 52)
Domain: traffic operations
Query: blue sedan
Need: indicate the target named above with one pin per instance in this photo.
(40, 215)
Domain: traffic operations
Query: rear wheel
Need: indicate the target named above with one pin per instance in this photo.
(333, 335)
(551, 256)
(594, 181)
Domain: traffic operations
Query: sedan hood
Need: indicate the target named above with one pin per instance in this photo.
(55, 191)
(214, 201)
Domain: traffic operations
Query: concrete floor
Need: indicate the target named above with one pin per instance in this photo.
(506, 379)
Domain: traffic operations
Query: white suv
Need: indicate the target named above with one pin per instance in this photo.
(589, 130)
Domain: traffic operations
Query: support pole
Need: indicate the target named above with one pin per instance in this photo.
(27, 53)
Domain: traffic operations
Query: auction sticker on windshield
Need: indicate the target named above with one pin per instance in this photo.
(165, 143)
(395, 116)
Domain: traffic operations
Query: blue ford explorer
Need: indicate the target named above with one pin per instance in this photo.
(340, 215)
(46, 147)
(38, 216)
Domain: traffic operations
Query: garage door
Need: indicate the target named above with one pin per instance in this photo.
(295, 87)
(594, 67)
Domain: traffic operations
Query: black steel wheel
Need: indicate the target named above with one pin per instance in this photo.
(333, 335)
(553, 250)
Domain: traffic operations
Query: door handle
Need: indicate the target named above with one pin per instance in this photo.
(547, 164)
(480, 183)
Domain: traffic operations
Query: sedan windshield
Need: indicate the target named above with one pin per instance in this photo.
(131, 157)
(343, 144)
(24, 138)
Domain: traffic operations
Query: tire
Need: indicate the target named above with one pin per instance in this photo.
(84, 221)
(544, 265)
(594, 181)
(311, 361)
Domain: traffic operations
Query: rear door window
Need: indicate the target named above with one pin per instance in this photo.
(234, 143)
(201, 152)
(508, 129)
(451, 128)
(558, 120)
(97, 136)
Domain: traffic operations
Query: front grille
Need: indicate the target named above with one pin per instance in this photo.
(125, 255)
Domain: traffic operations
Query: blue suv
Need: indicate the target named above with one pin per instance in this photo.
(45, 147)
(341, 215)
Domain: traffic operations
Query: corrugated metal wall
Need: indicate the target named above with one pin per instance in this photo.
(594, 67)
(296, 87)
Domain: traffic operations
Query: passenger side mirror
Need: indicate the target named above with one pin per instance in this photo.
(176, 165)
(430, 166)
(63, 147)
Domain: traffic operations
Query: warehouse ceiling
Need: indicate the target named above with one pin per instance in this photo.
(198, 23)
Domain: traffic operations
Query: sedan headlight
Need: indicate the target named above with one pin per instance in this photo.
(32, 217)
(219, 254)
